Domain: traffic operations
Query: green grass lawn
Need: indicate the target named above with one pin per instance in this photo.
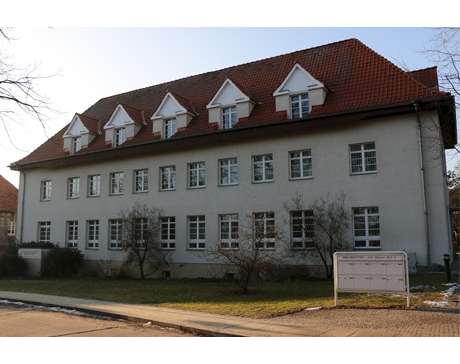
(263, 300)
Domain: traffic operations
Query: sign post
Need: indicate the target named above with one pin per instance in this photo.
(371, 272)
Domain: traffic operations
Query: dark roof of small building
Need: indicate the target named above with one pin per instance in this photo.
(8, 196)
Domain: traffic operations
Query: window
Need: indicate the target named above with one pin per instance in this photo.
(94, 185)
(45, 194)
(196, 232)
(141, 180)
(141, 226)
(299, 106)
(44, 232)
(263, 168)
(197, 175)
(115, 232)
(120, 136)
(228, 172)
(170, 128)
(73, 185)
(168, 233)
(11, 228)
(366, 227)
(302, 229)
(72, 234)
(168, 178)
(228, 231)
(93, 234)
(363, 158)
(76, 145)
(116, 183)
(264, 230)
(300, 165)
(229, 118)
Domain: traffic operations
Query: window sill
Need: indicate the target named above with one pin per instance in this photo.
(300, 178)
(167, 190)
(259, 182)
(362, 173)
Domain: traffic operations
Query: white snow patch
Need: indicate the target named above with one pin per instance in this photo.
(453, 288)
(313, 309)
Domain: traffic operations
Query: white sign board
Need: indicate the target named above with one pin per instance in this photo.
(371, 272)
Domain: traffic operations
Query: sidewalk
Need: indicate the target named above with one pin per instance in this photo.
(198, 322)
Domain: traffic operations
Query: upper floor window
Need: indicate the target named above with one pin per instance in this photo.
(116, 183)
(300, 164)
(94, 185)
(366, 227)
(92, 234)
(120, 136)
(263, 168)
(228, 231)
(45, 193)
(264, 230)
(299, 106)
(116, 233)
(76, 145)
(196, 175)
(363, 158)
(228, 172)
(141, 180)
(72, 234)
(168, 232)
(302, 229)
(73, 187)
(168, 178)
(170, 128)
(229, 118)
(44, 232)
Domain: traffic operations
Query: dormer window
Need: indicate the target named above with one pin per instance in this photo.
(229, 118)
(170, 128)
(120, 136)
(299, 106)
(76, 145)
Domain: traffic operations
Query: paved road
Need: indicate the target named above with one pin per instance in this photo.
(26, 322)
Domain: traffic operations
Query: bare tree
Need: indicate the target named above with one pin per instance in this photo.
(141, 239)
(18, 91)
(320, 228)
(248, 251)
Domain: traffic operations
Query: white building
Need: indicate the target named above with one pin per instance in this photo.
(244, 140)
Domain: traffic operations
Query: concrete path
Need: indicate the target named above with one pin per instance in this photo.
(190, 321)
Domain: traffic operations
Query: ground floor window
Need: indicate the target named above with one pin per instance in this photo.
(93, 234)
(228, 231)
(168, 233)
(44, 232)
(366, 227)
(115, 232)
(264, 230)
(196, 232)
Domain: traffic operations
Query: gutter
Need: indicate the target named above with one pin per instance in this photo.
(23, 204)
(423, 181)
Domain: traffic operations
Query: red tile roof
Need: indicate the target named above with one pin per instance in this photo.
(427, 76)
(357, 79)
(8, 196)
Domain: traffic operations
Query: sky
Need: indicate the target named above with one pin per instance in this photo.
(85, 64)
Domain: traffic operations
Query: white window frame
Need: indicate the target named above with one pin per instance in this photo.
(168, 232)
(170, 128)
(44, 230)
(197, 175)
(228, 172)
(116, 183)
(264, 225)
(361, 159)
(115, 234)
(167, 178)
(368, 219)
(119, 137)
(261, 167)
(11, 228)
(141, 225)
(299, 103)
(45, 191)
(73, 187)
(229, 231)
(94, 185)
(92, 234)
(141, 180)
(196, 232)
(302, 229)
(71, 234)
(76, 144)
(304, 159)
(229, 117)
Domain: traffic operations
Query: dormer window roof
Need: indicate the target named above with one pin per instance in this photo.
(123, 125)
(230, 93)
(81, 131)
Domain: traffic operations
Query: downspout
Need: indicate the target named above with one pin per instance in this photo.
(23, 204)
(422, 174)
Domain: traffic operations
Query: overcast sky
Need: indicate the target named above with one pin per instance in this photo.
(87, 64)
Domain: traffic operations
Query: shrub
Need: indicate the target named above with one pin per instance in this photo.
(36, 245)
(62, 262)
(11, 265)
